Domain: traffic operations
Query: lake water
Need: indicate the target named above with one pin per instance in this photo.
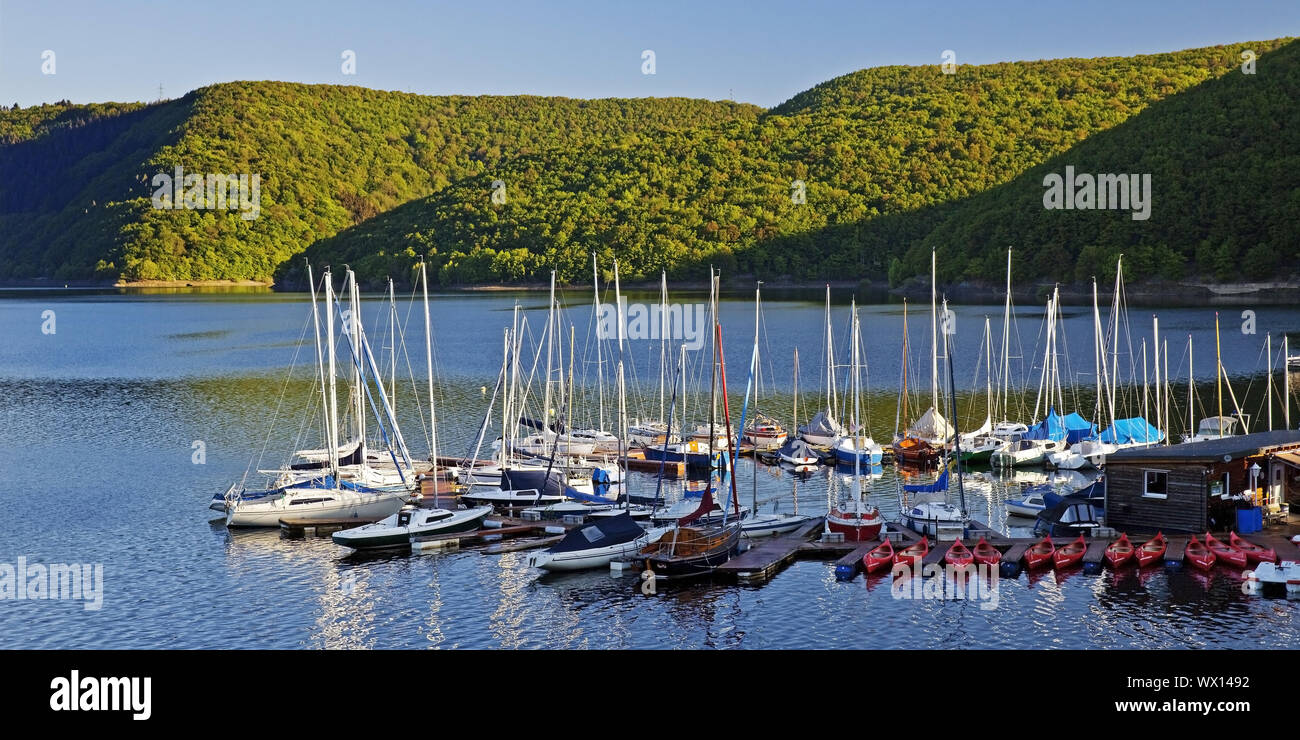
(99, 420)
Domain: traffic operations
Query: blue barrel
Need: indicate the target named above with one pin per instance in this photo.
(1250, 520)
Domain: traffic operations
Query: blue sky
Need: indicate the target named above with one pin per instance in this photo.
(760, 51)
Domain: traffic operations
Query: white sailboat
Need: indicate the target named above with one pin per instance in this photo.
(335, 499)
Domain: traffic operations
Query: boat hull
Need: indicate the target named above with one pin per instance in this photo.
(313, 505)
(389, 533)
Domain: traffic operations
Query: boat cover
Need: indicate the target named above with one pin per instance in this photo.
(352, 458)
(614, 530)
(932, 425)
(822, 425)
(1070, 428)
(1128, 431)
(523, 480)
(795, 447)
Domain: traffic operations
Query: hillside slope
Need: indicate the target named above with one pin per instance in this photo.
(881, 153)
(76, 199)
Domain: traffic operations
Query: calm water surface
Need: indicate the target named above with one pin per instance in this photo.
(98, 421)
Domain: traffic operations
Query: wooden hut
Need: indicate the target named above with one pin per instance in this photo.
(1196, 487)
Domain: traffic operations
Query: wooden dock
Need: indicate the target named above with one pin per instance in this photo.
(635, 460)
(768, 555)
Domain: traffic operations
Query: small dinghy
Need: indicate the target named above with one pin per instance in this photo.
(958, 555)
(1039, 553)
(798, 452)
(1224, 552)
(912, 555)
(1030, 505)
(595, 545)
(1119, 552)
(879, 558)
(1253, 552)
(986, 554)
(398, 529)
(1199, 555)
(1070, 554)
(1152, 550)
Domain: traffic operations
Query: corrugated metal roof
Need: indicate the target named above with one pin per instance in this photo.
(1210, 451)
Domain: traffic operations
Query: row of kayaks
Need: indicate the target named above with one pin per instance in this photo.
(1236, 552)
(958, 555)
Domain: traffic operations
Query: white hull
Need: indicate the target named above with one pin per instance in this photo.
(766, 525)
(596, 557)
(312, 504)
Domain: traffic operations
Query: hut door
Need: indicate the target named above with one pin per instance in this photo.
(1277, 477)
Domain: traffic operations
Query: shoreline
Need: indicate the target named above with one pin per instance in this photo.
(1154, 293)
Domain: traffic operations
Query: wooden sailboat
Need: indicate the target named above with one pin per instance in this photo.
(910, 450)
(686, 550)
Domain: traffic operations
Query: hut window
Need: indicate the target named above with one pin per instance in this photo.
(1157, 484)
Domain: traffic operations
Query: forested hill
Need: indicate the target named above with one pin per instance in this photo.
(885, 155)
(892, 161)
(75, 199)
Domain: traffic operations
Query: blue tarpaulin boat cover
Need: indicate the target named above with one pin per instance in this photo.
(939, 485)
(1127, 431)
(1070, 428)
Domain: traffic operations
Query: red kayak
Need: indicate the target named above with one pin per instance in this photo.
(1119, 552)
(986, 554)
(1199, 555)
(880, 557)
(1253, 551)
(912, 554)
(959, 556)
(1152, 550)
(1070, 554)
(1040, 553)
(1224, 552)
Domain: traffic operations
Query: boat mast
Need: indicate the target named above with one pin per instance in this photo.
(428, 354)
(354, 295)
(855, 430)
(1169, 422)
(988, 371)
(901, 412)
(1286, 382)
(1191, 389)
(1218, 372)
(320, 366)
(830, 360)
(1006, 344)
(550, 343)
(795, 423)
(934, 339)
(1268, 351)
(1144, 389)
(333, 410)
(663, 338)
(1155, 344)
(600, 376)
(956, 432)
(1114, 335)
(392, 350)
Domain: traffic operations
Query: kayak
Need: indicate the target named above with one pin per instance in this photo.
(1119, 552)
(1040, 553)
(912, 554)
(986, 554)
(1199, 555)
(1070, 554)
(959, 556)
(1253, 551)
(880, 557)
(1224, 552)
(1152, 550)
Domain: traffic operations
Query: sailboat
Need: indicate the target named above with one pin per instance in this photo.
(822, 429)
(796, 451)
(331, 498)
(687, 550)
(856, 519)
(642, 431)
(857, 446)
(1049, 434)
(928, 513)
(910, 448)
(764, 433)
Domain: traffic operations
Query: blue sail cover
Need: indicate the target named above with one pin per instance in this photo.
(1053, 427)
(939, 485)
(1078, 428)
(1127, 431)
